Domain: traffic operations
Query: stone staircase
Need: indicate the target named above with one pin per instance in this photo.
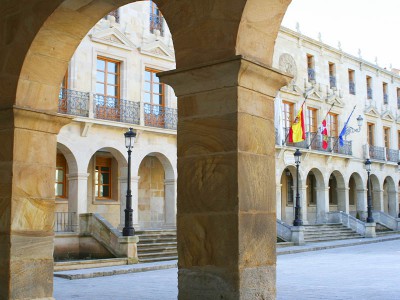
(328, 232)
(157, 245)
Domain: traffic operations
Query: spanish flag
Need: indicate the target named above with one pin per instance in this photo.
(297, 131)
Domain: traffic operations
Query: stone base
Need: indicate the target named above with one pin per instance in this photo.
(370, 230)
(298, 235)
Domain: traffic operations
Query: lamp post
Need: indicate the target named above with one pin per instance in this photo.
(350, 130)
(370, 219)
(297, 221)
(128, 229)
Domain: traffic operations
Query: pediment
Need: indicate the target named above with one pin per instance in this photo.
(334, 99)
(112, 37)
(158, 49)
(315, 95)
(387, 115)
(372, 111)
(292, 89)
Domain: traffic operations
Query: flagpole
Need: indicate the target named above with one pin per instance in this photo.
(334, 145)
(305, 98)
(312, 140)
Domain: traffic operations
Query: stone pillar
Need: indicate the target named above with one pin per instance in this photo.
(370, 230)
(377, 203)
(27, 168)
(123, 183)
(226, 220)
(362, 203)
(279, 203)
(298, 235)
(170, 203)
(322, 204)
(303, 201)
(77, 197)
(392, 203)
(343, 200)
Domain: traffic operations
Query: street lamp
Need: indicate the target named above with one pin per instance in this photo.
(350, 130)
(370, 219)
(128, 229)
(297, 221)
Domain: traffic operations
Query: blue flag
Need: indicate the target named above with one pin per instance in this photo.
(343, 132)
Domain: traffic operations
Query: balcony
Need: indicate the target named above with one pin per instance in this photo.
(73, 103)
(114, 109)
(156, 23)
(352, 88)
(311, 74)
(392, 155)
(398, 102)
(385, 99)
(369, 93)
(160, 116)
(332, 82)
(376, 152)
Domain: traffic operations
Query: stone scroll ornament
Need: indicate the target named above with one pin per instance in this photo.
(287, 64)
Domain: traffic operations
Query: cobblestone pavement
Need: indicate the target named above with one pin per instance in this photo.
(370, 272)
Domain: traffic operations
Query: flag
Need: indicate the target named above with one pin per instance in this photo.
(297, 131)
(324, 133)
(343, 132)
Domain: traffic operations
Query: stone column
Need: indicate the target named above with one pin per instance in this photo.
(392, 203)
(322, 204)
(303, 201)
(343, 200)
(226, 185)
(123, 183)
(377, 203)
(279, 203)
(170, 203)
(362, 203)
(27, 168)
(77, 197)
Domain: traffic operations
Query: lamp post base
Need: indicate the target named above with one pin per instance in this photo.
(297, 222)
(128, 231)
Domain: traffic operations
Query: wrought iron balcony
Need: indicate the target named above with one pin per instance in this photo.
(65, 222)
(398, 102)
(114, 109)
(157, 23)
(385, 99)
(311, 74)
(346, 149)
(160, 116)
(73, 103)
(332, 81)
(352, 87)
(376, 152)
(369, 93)
(392, 155)
(302, 144)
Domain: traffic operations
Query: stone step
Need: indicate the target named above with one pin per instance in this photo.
(157, 250)
(148, 260)
(326, 239)
(89, 263)
(157, 245)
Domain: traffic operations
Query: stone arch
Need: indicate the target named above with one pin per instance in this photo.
(376, 193)
(69, 156)
(39, 37)
(286, 190)
(156, 195)
(357, 196)
(317, 200)
(337, 192)
(389, 197)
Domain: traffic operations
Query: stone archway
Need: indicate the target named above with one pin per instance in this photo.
(317, 198)
(389, 197)
(337, 193)
(287, 194)
(221, 135)
(376, 193)
(357, 196)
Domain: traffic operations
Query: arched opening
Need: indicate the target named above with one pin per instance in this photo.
(288, 194)
(317, 205)
(389, 197)
(357, 197)
(376, 193)
(47, 33)
(337, 193)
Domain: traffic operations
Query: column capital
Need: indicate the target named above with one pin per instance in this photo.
(169, 181)
(78, 176)
(237, 71)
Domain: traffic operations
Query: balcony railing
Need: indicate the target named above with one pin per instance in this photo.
(346, 149)
(332, 81)
(398, 102)
(311, 74)
(157, 23)
(376, 152)
(352, 87)
(369, 93)
(385, 98)
(160, 116)
(114, 109)
(392, 155)
(73, 103)
(65, 222)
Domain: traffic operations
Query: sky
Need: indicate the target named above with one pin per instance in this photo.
(370, 25)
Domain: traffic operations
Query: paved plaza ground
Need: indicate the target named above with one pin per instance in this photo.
(368, 272)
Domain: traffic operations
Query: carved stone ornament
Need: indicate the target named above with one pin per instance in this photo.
(288, 65)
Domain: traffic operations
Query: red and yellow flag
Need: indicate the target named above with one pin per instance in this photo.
(324, 133)
(297, 131)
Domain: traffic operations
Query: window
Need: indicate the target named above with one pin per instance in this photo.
(370, 134)
(369, 87)
(386, 137)
(332, 75)
(311, 191)
(63, 95)
(385, 93)
(312, 120)
(398, 139)
(310, 68)
(107, 88)
(102, 178)
(352, 83)
(60, 184)
(154, 99)
(289, 187)
(332, 124)
(156, 19)
(398, 98)
(287, 110)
